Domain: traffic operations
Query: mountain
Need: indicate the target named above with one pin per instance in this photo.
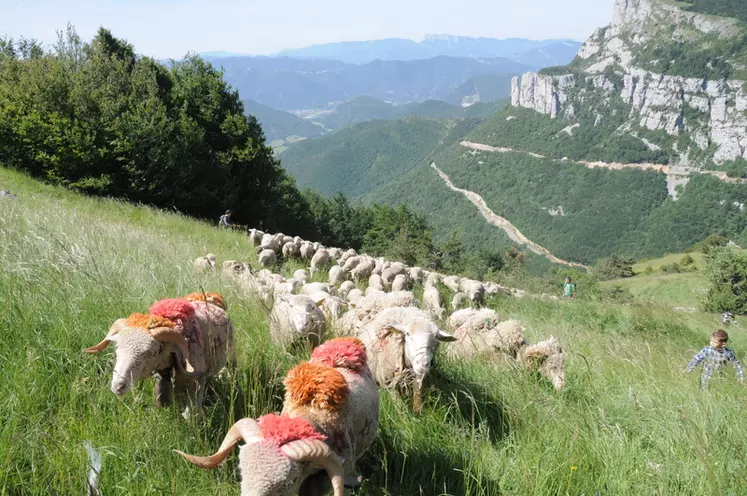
(625, 150)
(359, 109)
(518, 49)
(482, 88)
(296, 84)
(281, 127)
(360, 158)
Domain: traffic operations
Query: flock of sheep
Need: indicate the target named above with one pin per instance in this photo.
(363, 340)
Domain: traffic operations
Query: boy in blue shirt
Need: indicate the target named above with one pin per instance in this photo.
(714, 357)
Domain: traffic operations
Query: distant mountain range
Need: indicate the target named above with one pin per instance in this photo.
(534, 53)
(290, 84)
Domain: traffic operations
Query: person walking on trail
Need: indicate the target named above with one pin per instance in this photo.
(714, 357)
(225, 220)
(569, 288)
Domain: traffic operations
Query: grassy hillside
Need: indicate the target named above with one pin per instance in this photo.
(483, 88)
(627, 423)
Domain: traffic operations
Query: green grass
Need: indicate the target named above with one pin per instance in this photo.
(627, 423)
(656, 263)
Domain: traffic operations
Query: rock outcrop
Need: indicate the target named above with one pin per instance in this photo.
(711, 112)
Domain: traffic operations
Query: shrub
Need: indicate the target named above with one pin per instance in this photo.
(726, 270)
(712, 241)
(614, 267)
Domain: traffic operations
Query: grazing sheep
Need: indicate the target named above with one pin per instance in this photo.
(375, 282)
(307, 250)
(401, 344)
(234, 268)
(319, 261)
(370, 290)
(451, 282)
(332, 307)
(290, 286)
(460, 300)
(474, 290)
(379, 265)
(400, 283)
(290, 250)
(345, 288)
(186, 339)
(301, 275)
(433, 279)
(547, 357)
(205, 263)
(363, 270)
(337, 275)
(314, 287)
(417, 274)
(269, 242)
(335, 253)
(476, 337)
(267, 258)
(296, 317)
(476, 315)
(351, 263)
(370, 306)
(355, 296)
(329, 420)
(388, 275)
(255, 237)
(344, 257)
(433, 302)
(288, 239)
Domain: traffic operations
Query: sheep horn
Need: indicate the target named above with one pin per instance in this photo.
(245, 429)
(319, 453)
(114, 329)
(170, 335)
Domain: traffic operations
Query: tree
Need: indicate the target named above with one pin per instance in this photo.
(614, 267)
(726, 271)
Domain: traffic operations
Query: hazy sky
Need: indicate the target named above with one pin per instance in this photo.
(171, 28)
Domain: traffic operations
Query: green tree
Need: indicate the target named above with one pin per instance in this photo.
(614, 267)
(726, 270)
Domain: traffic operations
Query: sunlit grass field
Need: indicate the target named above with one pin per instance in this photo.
(628, 421)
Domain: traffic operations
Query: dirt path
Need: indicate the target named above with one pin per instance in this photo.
(504, 224)
(678, 171)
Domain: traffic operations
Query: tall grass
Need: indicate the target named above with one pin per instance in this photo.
(627, 423)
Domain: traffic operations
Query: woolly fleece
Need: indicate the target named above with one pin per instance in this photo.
(148, 322)
(318, 386)
(214, 298)
(173, 309)
(282, 429)
(345, 352)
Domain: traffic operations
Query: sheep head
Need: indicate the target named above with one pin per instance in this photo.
(421, 340)
(142, 348)
(279, 454)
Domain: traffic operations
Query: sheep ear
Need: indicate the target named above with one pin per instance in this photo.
(400, 328)
(445, 337)
(319, 302)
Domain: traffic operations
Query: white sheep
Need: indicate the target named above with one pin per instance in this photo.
(417, 274)
(335, 253)
(269, 242)
(355, 296)
(296, 317)
(351, 263)
(400, 283)
(332, 397)
(451, 282)
(301, 275)
(205, 263)
(375, 282)
(371, 305)
(314, 287)
(474, 289)
(379, 266)
(363, 270)
(547, 357)
(388, 275)
(337, 275)
(345, 288)
(332, 307)
(459, 300)
(344, 257)
(255, 236)
(234, 268)
(267, 258)
(307, 250)
(186, 339)
(401, 340)
(459, 317)
(319, 261)
(290, 250)
(477, 337)
(433, 302)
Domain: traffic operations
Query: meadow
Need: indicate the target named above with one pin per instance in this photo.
(628, 421)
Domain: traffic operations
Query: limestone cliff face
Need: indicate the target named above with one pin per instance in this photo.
(713, 113)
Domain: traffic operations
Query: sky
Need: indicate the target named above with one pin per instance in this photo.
(171, 28)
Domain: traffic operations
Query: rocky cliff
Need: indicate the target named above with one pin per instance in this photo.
(706, 112)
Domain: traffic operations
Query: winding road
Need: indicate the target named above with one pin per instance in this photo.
(513, 233)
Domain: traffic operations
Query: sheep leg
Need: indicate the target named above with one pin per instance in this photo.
(164, 391)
